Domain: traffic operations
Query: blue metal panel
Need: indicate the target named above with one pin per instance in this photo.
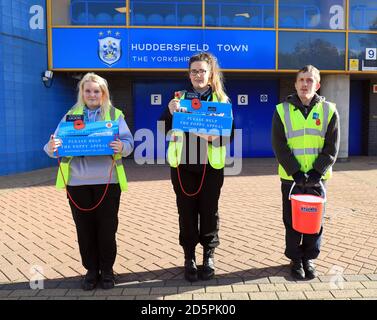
(355, 118)
(255, 118)
(29, 112)
(147, 115)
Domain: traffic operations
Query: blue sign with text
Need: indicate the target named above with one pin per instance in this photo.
(206, 117)
(87, 139)
(140, 48)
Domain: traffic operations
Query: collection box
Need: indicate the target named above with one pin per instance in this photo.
(87, 138)
(206, 117)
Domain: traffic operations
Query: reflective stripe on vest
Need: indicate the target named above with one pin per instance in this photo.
(290, 133)
(216, 155)
(112, 115)
(305, 137)
(301, 152)
(175, 148)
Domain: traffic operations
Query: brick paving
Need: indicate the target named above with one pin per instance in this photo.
(38, 239)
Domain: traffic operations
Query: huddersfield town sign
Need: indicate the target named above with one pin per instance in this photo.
(140, 48)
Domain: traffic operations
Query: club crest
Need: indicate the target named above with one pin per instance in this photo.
(109, 50)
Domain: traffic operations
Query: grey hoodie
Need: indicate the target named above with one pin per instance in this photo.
(96, 169)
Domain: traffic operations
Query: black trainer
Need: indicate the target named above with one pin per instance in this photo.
(297, 270)
(90, 280)
(208, 270)
(309, 268)
(107, 279)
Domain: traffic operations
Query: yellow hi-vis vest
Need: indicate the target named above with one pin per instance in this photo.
(112, 115)
(305, 137)
(216, 155)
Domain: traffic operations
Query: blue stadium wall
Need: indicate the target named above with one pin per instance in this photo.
(29, 112)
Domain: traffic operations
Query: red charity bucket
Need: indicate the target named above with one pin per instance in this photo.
(307, 213)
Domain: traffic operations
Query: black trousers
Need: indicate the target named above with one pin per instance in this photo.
(198, 215)
(96, 230)
(298, 245)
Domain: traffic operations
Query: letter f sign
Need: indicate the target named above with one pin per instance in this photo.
(156, 99)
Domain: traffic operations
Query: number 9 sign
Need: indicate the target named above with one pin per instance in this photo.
(371, 54)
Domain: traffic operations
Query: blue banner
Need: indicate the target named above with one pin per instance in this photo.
(212, 118)
(87, 139)
(98, 48)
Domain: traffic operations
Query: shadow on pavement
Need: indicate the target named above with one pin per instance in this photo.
(171, 277)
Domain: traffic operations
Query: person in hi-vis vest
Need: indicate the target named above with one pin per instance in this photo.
(305, 140)
(191, 156)
(86, 179)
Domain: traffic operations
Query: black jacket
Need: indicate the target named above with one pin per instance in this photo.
(279, 141)
(192, 144)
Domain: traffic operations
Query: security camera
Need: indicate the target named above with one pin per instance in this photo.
(47, 75)
(47, 78)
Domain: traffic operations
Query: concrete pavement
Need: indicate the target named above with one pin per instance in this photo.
(39, 246)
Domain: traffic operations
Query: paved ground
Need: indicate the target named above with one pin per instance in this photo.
(38, 239)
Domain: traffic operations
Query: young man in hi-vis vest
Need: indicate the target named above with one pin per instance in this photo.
(305, 140)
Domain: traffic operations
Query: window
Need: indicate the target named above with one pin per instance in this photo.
(324, 50)
(88, 12)
(236, 13)
(363, 15)
(363, 51)
(166, 13)
(311, 14)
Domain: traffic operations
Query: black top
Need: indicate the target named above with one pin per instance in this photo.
(194, 147)
(279, 141)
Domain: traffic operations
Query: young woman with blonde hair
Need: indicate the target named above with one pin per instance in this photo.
(87, 177)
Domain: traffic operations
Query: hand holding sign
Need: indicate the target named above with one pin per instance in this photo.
(117, 146)
(173, 106)
(207, 137)
(54, 144)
